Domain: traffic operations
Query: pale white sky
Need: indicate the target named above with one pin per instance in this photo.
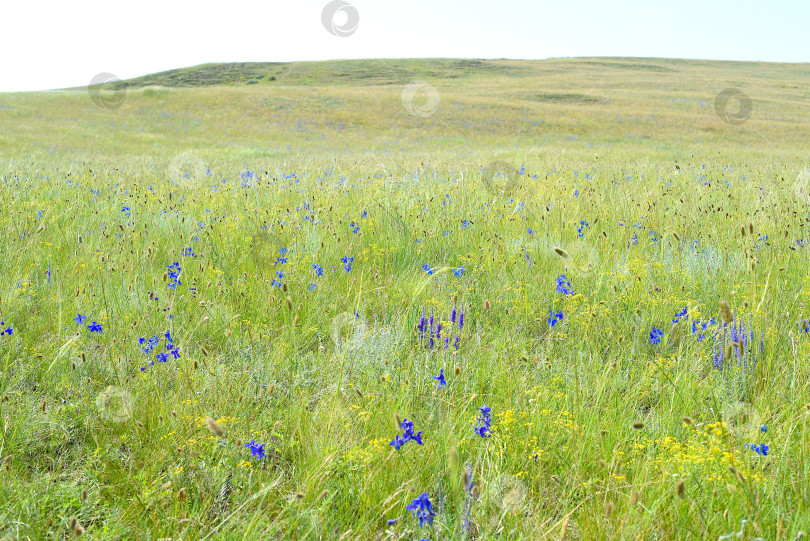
(49, 44)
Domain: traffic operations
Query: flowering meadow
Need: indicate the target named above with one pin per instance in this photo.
(284, 312)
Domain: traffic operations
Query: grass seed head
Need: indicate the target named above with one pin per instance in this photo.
(680, 489)
(725, 312)
(214, 427)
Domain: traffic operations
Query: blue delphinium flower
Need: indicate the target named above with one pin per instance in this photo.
(680, 315)
(761, 449)
(440, 379)
(581, 229)
(699, 328)
(95, 327)
(459, 272)
(347, 262)
(564, 286)
(553, 318)
(763, 428)
(8, 330)
(148, 345)
(655, 336)
(407, 435)
(427, 269)
(318, 270)
(484, 422)
(174, 275)
(79, 319)
(422, 509)
(256, 450)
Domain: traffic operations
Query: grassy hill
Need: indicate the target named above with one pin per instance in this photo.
(655, 108)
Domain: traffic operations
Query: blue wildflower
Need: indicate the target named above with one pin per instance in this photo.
(553, 318)
(422, 509)
(79, 319)
(427, 268)
(680, 315)
(655, 336)
(564, 286)
(759, 449)
(407, 435)
(440, 379)
(459, 272)
(256, 450)
(347, 261)
(174, 275)
(95, 327)
(318, 270)
(581, 229)
(483, 428)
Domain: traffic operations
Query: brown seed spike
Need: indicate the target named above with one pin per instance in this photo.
(560, 252)
(634, 498)
(638, 426)
(486, 305)
(288, 301)
(750, 228)
(680, 489)
(725, 312)
(214, 427)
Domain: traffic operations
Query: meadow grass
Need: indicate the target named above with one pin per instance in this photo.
(226, 216)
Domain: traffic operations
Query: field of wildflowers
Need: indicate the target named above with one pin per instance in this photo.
(308, 312)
